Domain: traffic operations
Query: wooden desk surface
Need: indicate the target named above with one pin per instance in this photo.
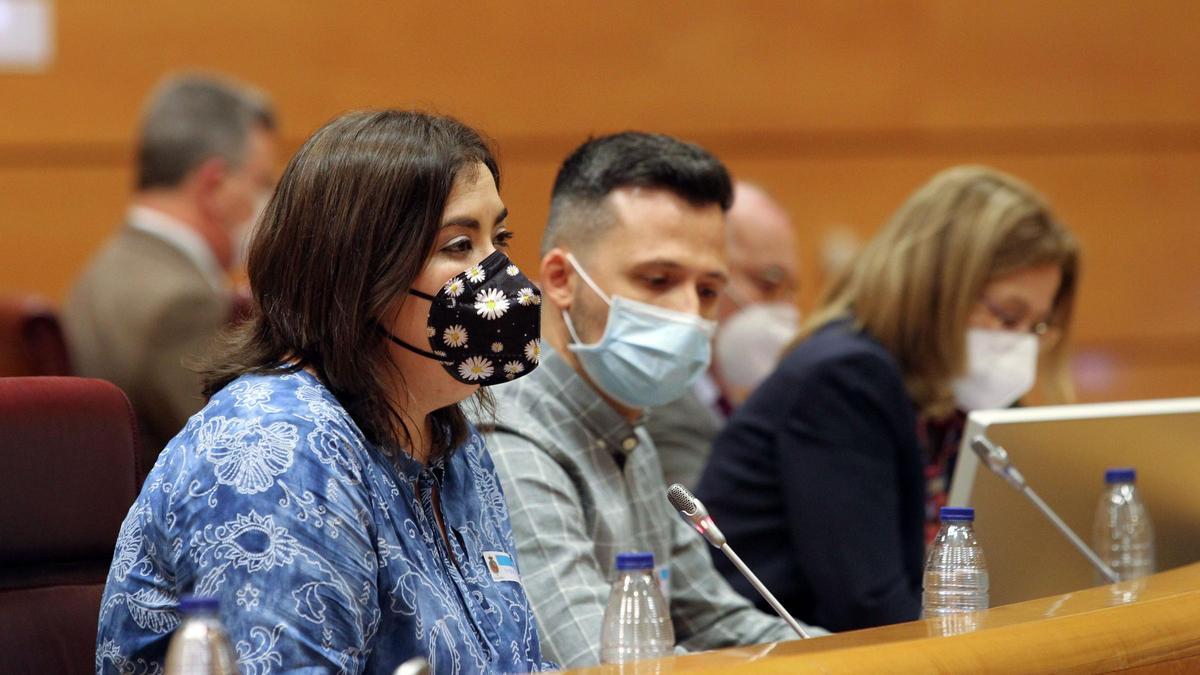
(1146, 626)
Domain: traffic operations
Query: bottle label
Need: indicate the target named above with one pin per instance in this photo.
(501, 566)
(663, 574)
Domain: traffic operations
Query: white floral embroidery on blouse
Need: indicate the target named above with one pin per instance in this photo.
(323, 551)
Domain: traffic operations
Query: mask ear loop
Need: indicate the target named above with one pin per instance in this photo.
(591, 284)
(416, 350)
(587, 279)
(571, 329)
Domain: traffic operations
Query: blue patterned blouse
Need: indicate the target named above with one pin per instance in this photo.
(323, 551)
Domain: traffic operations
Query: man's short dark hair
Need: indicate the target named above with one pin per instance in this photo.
(628, 159)
(192, 118)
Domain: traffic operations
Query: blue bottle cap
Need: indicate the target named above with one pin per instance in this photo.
(957, 513)
(192, 604)
(639, 560)
(1123, 474)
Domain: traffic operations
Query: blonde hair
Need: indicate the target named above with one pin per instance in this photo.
(913, 286)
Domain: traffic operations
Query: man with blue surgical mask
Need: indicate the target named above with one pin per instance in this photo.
(757, 317)
(633, 265)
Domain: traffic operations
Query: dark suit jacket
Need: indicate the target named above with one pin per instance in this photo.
(139, 313)
(817, 481)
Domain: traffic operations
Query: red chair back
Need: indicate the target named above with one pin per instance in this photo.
(31, 339)
(68, 474)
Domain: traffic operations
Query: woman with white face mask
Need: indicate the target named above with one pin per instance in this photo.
(829, 478)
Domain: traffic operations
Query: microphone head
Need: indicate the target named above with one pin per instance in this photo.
(695, 514)
(981, 447)
(682, 499)
(993, 455)
(996, 459)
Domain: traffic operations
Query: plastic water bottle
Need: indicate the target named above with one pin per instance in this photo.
(956, 576)
(1123, 535)
(637, 621)
(200, 645)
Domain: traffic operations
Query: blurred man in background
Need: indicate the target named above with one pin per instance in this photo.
(761, 249)
(156, 294)
(757, 315)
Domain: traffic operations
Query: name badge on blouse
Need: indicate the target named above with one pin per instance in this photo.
(663, 572)
(501, 566)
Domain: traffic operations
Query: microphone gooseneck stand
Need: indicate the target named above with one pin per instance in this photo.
(996, 458)
(693, 511)
(763, 591)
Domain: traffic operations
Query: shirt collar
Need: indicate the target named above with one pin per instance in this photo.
(412, 470)
(182, 238)
(612, 432)
(405, 465)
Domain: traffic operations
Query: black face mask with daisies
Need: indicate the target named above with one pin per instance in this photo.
(484, 324)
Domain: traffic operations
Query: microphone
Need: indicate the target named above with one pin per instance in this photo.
(696, 515)
(694, 512)
(996, 458)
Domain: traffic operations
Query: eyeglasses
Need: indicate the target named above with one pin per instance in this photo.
(1041, 329)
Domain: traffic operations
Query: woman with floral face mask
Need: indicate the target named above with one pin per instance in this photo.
(332, 494)
(829, 478)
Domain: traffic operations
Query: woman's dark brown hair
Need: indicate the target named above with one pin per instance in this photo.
(350, 226)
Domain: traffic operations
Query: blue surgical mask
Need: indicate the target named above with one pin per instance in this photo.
(648, 355)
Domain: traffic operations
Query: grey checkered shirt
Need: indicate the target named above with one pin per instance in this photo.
(556, 445)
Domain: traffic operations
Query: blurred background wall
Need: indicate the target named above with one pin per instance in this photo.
(839, 108)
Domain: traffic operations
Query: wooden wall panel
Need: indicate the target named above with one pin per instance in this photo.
(546, 67)
(51, 219)
(840, 108)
